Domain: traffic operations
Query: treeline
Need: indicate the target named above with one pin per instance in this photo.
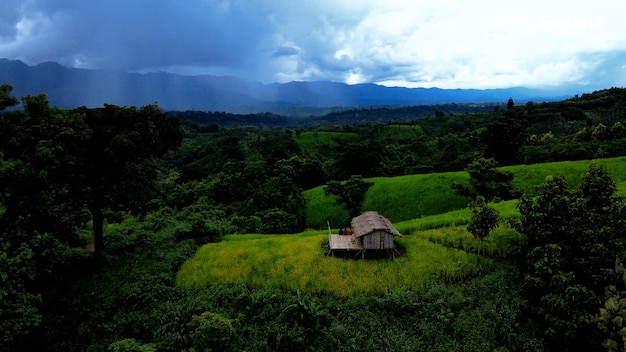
(331, 116)
(250, 179)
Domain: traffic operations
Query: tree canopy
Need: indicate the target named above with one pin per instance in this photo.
(350, 193)
(573, 240)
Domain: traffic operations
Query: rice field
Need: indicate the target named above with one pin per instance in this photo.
(435, 248)
(298, 262)
(397, 198)
(527, 177)
(409, 197)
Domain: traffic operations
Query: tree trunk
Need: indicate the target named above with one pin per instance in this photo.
(98, 225)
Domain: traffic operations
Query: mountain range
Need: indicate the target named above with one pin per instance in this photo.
(71, 87)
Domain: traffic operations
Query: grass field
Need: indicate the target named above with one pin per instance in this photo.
(415, 196)
(313, 144)
(400, 131)
(398, 198)
(527, 177)
(436, 247)
(298, 262)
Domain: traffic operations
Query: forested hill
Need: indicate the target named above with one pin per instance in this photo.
(69, 87)
(100, 207)
(322, 117)
(563, 115)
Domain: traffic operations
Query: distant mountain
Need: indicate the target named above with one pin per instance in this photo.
(69, 87)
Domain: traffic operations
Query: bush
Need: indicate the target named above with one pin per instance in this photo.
(131, 345)
(212, 332)
(201, 230)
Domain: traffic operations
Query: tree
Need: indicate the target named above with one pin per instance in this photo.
(573, 238)
(116, 164)
(212, 332)
(503, 138)
(360, 158)
(19, 313)
(451, 152)
(63, 161)
(131, 345)
(280, 204)
(510, 104)
(484, 219)
(38, 216)
(612, 316)
(351, 193)
(6, 99)
(306, 173)
(487, 181)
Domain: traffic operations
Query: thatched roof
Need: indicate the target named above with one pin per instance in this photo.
(371, 221)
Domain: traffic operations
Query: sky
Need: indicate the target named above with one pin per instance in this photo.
(410, 43)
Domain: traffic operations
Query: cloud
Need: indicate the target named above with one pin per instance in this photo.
(285, 51)
(134, 35)
(451, 44)
(9, 17)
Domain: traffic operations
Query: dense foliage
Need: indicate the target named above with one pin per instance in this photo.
(574, 239)
(100, 208)
(350, 193)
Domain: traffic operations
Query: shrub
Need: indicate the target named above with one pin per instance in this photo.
(212, 332)
(131, 345)
(201, 230)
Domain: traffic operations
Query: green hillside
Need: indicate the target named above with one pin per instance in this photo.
(436, 245)
(115, 238)
(314, 144)
(414, 196)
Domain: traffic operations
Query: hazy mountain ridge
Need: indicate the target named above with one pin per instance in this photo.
(69, 87)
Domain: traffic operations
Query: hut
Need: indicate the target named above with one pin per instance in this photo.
(372, 232)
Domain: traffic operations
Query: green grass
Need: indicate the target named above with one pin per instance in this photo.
(408, 197)
(322, 210)
(416, 196)
(527, 177)
(397, 198)
(498, 244)
(437, 246)
(400, 131)
(507, 210)
(297, 262)
(313, 144)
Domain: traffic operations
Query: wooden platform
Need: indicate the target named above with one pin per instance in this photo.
(344, 242)
(345, 246)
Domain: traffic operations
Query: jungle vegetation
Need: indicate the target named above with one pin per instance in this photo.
(135, 229)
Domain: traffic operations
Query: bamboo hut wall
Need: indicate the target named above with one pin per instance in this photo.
(378, 240)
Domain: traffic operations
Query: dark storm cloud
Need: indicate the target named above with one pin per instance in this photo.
(134, 34)
(392, 42)
(9, 16)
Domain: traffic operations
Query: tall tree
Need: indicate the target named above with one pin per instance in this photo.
(487, 181)
(116, 160)
(38, 214)
(351, 193)
(574, 237)
(7, 100)
(484, 218)
(503, 138)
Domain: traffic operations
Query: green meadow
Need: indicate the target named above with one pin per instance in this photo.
(398, 198)
(298, 262)
(313, 144)
(436, 246)
(414, 196)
